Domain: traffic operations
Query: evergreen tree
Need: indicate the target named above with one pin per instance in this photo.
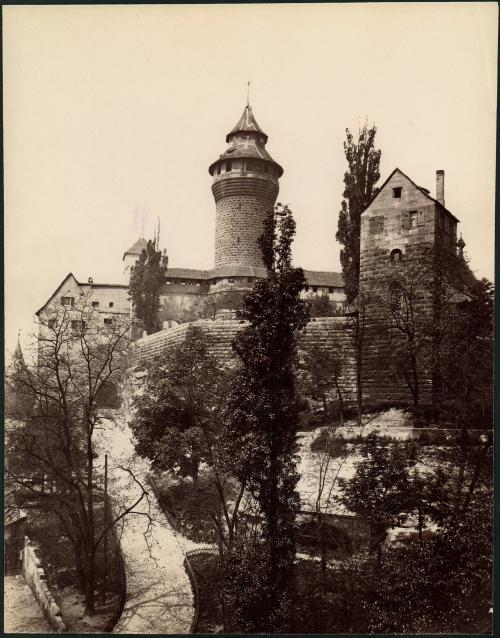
(146, 279)
(360, 181)
(261, 432)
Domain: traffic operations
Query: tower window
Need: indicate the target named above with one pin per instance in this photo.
(396, 192)
(218, 169)
(229, 166)
(396, 255)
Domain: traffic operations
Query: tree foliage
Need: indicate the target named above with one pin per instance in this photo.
(261, 428)
(441, 585)
(178, 426)
(319, 376)
(177, 416)
(360, 180)
(323, 306)
(380, 490)
(465, 357)
(146, 279)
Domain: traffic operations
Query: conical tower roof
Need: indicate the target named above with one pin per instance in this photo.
(18, 353)
(136, 248)
(246, 124)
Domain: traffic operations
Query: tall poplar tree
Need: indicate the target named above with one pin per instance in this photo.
(360, 180)
(146, 279)
(262, 429)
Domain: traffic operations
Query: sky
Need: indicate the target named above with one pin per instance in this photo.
(112, 115)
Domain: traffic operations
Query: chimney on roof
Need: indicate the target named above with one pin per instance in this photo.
(440, 187)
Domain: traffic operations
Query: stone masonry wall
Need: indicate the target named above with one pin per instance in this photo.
(327, 332)
(386, 226)
(34, 575)
(238, 227)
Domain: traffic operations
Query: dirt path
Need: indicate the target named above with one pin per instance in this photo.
(22, 613)
(159, 599)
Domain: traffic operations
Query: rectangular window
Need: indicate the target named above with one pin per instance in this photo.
(68, 301)
(413, 221)
(95, 304)
(229, 166)
(330, 289)
(315, 288)
(108, 321)
(396, 192)
(111, 304)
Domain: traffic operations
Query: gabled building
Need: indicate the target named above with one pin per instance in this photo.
(409, 254)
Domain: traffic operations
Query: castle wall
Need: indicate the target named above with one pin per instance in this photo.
(327, 332)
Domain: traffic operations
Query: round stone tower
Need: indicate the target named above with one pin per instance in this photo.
(245, 187)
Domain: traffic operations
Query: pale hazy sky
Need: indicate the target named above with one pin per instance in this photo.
(114, 110)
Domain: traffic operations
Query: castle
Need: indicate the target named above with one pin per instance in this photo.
(403, 224)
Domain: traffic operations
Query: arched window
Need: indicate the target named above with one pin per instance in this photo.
(396, 255)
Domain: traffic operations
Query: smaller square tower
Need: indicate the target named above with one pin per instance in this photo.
(410, 238)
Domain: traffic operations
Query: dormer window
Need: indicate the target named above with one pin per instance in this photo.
(396, 192)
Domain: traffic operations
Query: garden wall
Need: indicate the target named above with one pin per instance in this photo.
(34, 575)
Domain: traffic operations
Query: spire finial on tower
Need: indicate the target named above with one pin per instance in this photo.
(248, 93)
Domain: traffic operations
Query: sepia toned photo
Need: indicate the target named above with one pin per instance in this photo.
(249, 292)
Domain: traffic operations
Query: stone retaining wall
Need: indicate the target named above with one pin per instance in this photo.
(328, 332)
(34, 575)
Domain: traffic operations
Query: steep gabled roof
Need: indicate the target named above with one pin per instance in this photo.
(68, 277)
(424, 192)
